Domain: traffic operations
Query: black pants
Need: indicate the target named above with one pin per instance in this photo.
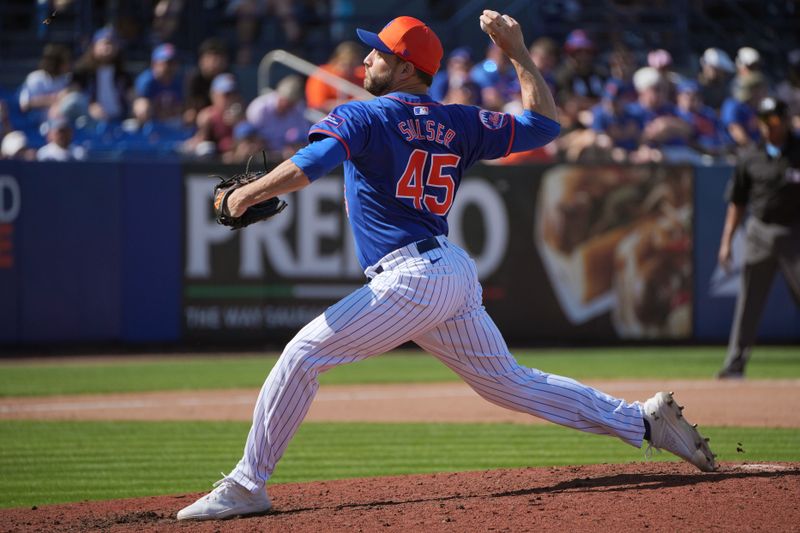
(768, 247)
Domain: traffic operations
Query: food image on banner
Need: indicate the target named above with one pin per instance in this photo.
(618, 240)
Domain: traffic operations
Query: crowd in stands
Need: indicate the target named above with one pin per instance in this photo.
(615, 106)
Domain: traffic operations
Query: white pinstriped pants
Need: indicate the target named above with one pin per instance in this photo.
(434, 300)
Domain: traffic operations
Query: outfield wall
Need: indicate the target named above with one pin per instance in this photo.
(129, 252)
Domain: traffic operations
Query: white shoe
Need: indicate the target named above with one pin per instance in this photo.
(226, 500)
(670, 431)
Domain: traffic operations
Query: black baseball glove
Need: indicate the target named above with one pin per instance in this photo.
(254, 213)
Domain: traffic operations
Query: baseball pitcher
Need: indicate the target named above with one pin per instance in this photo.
(404, 156)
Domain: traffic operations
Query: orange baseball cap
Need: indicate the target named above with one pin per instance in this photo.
(410, 40)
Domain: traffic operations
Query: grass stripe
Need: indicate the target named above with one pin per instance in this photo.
(235, 371)
(47, 462)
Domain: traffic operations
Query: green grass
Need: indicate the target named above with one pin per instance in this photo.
(225, 371)
(50, 462)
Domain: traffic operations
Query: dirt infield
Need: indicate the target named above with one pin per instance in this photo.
(633, 497)
(751, 403)
(638, 497)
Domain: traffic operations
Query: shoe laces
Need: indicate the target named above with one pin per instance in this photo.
(648, 452)
(222, 484)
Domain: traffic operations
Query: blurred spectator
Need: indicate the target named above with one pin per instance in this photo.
(788, 90)
(279, 117)
(716, 69)
(15, 146)
(72, 105)
(661, 60)
(657, 116)
(622, 65)
(458, 61)
(212, 61)
(216, 122)
(707, 135)
(748, 60)
(580, 80)
(544, 53)
(250, 15)
(497, 79)
(453, 85)
(42, 87)
(5, 120)
(59, 146)
(166, 19)
(246, 143)
(101, 74)
(346, 62)
(161, 86)
(738, 112)
(613, 118)
(141, 117)
(614, 131)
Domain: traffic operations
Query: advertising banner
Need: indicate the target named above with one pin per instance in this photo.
(10, 208)
(565, 253)
(89, 252)
(596, 254)
(67, 252)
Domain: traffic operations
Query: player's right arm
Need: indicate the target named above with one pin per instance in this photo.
(537, 125)
(334, 139)
(733, 217)
(507, 34)
(738, 193)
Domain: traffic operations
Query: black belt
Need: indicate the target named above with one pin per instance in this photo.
(425, 245)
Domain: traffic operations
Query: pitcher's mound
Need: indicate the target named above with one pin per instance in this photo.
(631, 497)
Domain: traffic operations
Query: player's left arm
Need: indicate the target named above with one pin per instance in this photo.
(309, 163)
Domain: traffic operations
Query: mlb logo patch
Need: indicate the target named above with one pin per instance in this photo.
(421, 110)
(334, 120)
(492, 120)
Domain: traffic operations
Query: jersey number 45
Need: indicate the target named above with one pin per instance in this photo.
(413, 183)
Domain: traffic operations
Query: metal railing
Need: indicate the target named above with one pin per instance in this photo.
(305, 68)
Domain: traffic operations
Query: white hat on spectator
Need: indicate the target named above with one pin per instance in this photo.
(718, 58)
(13, 142)
(646, 78)
(747, 57)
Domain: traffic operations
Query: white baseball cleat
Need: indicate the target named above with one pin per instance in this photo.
(670, 431)
(226, 500)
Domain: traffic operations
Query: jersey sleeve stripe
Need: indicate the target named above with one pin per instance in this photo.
(513, 132)
(337, 137)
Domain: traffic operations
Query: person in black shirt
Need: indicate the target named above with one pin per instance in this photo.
(767, 180)
(212, 61)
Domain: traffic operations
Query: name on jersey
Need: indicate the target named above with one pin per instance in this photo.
(415, 129)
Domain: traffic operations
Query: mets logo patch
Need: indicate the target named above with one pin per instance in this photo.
(421, 110)
(334, 120)
(492, 119)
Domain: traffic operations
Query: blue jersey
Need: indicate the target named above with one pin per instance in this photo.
(405, 157)
(742, 113)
